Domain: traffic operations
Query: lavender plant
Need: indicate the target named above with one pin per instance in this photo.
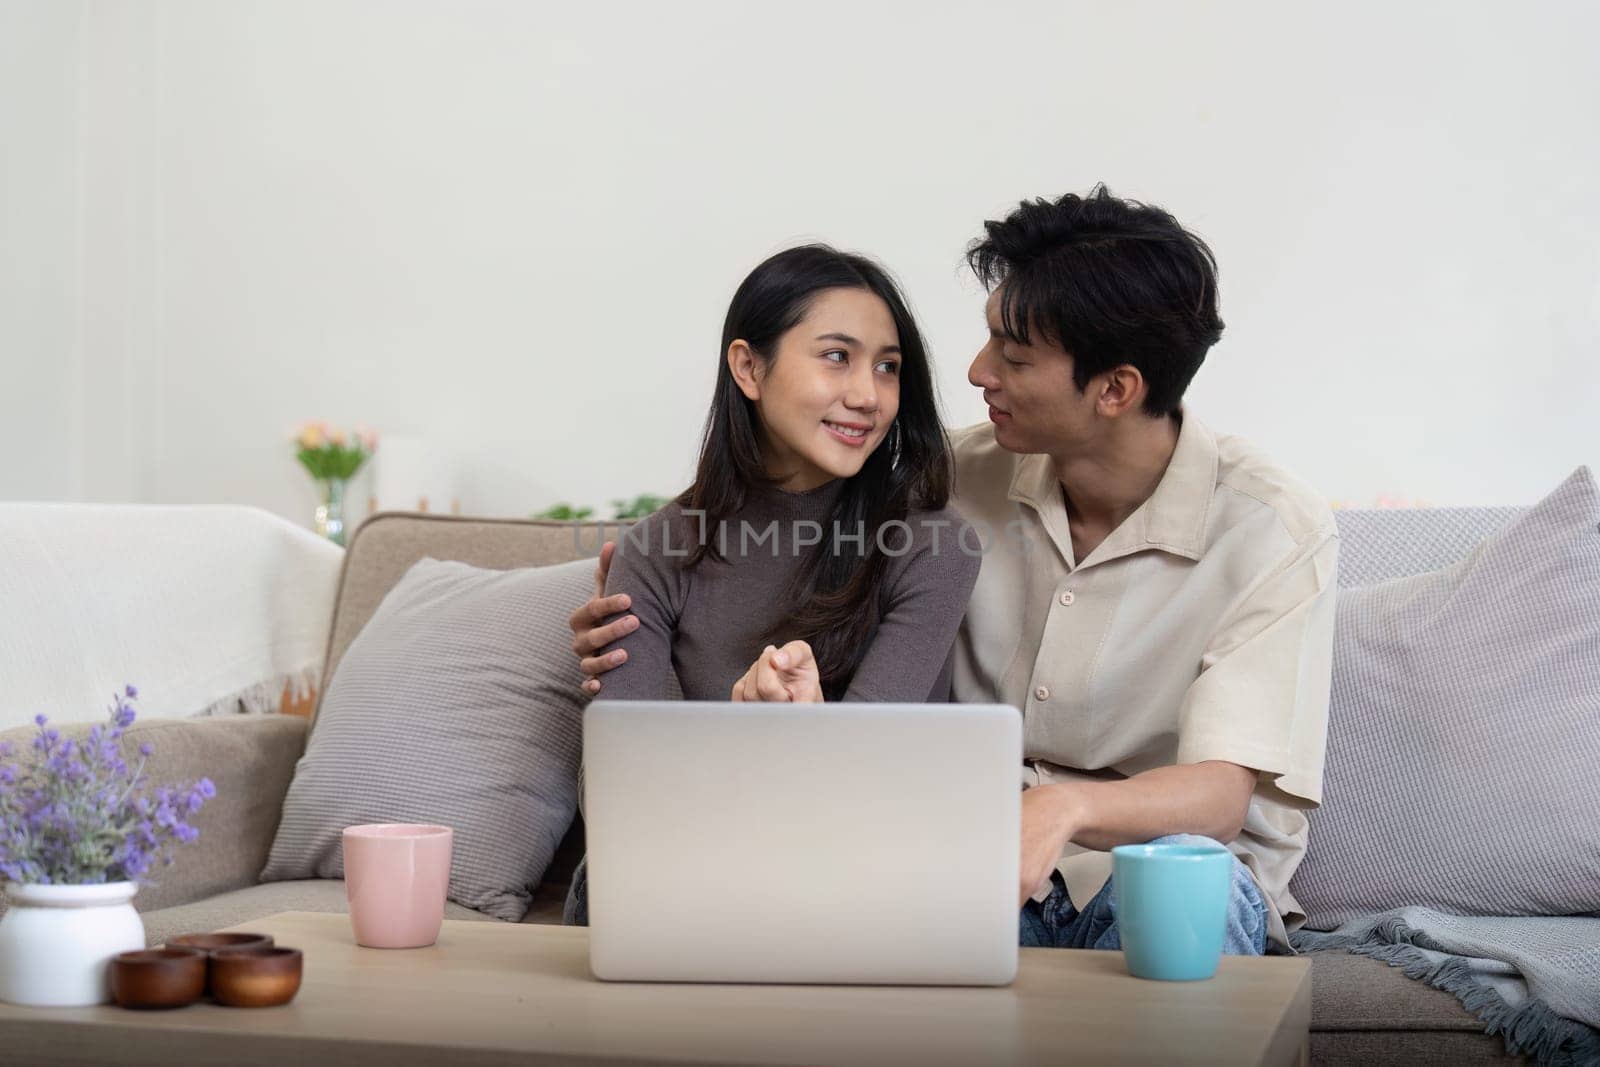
(76, 814)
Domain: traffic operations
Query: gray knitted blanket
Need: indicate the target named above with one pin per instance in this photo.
(1534, 980)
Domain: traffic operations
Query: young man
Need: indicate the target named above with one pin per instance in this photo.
(1156, 598)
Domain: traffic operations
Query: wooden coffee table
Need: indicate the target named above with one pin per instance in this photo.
(494, 993)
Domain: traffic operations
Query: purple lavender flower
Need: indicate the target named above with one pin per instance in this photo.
(76, 814)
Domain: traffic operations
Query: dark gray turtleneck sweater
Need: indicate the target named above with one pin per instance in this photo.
(708, 622)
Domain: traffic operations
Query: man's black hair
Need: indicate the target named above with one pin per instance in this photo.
(1112, 281)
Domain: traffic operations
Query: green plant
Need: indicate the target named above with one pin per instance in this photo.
(564, 513)
(637, 508)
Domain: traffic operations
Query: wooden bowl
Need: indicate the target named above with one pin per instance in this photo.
(158, 977)
(255, 977)
(213, 942)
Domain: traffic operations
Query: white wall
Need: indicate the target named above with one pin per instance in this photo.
(39, 385)
(513, 227)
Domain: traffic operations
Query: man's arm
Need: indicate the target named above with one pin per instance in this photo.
(1210, 798)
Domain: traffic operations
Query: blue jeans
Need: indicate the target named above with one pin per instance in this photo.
(576, 910)
(1056, 923)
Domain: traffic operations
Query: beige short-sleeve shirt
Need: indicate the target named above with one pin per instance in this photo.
(1200, 629)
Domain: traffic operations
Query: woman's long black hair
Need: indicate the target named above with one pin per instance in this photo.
(834, 597)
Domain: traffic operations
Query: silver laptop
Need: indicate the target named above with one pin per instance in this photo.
(850, 843)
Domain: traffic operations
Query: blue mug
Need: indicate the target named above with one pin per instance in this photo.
(1172, 908)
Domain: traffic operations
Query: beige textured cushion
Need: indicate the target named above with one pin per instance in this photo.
(249, 758)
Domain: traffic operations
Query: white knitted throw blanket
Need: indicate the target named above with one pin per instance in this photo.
(206, 610)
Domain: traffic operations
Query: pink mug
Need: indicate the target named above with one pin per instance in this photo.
(395, 876)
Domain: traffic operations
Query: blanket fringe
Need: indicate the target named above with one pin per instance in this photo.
(266, 697)
(1530, 1029)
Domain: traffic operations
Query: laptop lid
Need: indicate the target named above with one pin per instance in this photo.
(852, 843)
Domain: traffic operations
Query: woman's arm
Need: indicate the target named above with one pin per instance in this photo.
(651, 579)
(926, 596)
(910, 654)
(909, 659)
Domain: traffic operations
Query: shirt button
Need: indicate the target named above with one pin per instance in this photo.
(1067, 598)
(1042, 693)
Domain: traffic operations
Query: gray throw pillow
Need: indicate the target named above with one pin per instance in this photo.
(1464, 731)
(1382, 544)
(458, 703)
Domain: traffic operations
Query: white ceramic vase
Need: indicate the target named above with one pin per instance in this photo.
(56, 942)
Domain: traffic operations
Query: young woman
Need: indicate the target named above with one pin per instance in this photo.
(815, 557)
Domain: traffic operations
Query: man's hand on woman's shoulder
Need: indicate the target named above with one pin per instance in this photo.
(590, 631)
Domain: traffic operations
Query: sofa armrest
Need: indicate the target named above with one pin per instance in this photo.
(250, 759)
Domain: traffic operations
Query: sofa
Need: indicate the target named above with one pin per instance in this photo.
(1363, 1011)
